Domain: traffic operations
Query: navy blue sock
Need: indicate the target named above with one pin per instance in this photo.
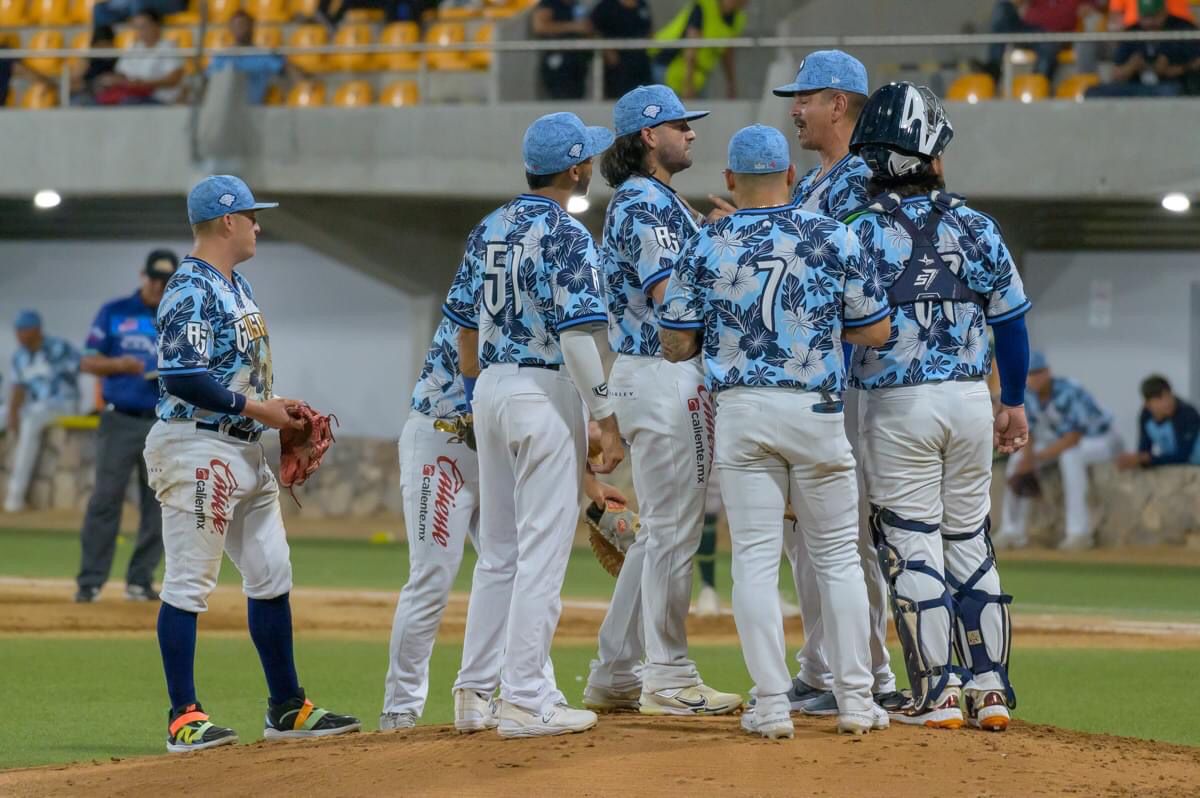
(271, 630)
(177, 642)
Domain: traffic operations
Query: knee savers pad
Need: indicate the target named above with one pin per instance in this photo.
(927, 679)
(976, 636)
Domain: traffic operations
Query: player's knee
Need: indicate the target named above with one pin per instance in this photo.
(269, 584)
(189, 595)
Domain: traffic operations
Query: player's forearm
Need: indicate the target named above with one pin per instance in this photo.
(468, 352)
(204, 392)
(105, 366)
(1012, 360)
(679, 345)
(1051, 452)
(583, 363)
(871, 335)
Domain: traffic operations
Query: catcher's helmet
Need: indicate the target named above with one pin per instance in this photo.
(901, 129)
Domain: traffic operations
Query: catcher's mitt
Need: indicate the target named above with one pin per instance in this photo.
(611, 531)
(301, 450)
(1026, 485)
(463, 428)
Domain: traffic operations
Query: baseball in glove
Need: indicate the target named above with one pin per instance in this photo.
(301, 450)
(611, 531)
(463, 428)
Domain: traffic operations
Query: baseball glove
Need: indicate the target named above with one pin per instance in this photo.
(611, 531)
(301, 450)
(462, 428)
(1026, 485)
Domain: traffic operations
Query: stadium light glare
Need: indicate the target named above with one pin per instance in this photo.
(46, 199)
(1176, 202)
(1026, 97)
(578, 205)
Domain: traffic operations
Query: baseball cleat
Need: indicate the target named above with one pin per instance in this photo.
(559, 719)
(396, 721)
(773, 727)
(299, 719)
(944, 713)
(708, 603)
(474, 711)
(140, 593)
(891, 701)
(606, 699)
(189, 729)
(698, 699)
(1075, 543)
(86, 595)
(802, 692)
(874, 718)
(986, 709)
(821, 705)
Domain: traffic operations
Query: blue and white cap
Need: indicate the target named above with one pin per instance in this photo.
(649, 106)
(828, 69)
(556, 142)
(217, 195)
(758, 150)
(1037, 361)
(28, 319)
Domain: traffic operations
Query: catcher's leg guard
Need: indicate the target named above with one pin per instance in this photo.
(983, 636)
(928, 672)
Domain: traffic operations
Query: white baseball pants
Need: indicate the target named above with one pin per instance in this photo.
(35, 417)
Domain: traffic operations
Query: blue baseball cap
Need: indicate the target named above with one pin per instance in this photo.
(758, 150)
(650, 106)
(556, 142)
(217, 195)
(828, 69)
(28, 320)
(1037, 361)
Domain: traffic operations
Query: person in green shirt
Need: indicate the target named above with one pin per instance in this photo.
(687, 70)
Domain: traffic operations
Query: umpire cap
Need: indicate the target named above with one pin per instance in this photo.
(901, 129)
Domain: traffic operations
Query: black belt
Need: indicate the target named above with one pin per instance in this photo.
(151, 413)
(232, 432)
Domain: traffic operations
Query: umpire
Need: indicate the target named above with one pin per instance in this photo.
(122, 349)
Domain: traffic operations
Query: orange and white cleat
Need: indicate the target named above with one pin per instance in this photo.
(944, 712)
(987, 709)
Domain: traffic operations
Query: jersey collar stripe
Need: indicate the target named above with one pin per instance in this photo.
(211, 268)
(832, 171)
(536, 198)
(770, 209)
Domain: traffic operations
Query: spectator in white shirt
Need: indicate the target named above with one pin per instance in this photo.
(152, 71)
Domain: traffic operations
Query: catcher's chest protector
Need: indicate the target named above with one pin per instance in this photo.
(929, 275)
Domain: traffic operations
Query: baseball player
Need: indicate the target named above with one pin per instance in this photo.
(528, 297)
(827, 95)
(439, 486)
(774, 290)
(210, 473)
(666, 415)
(927, 427)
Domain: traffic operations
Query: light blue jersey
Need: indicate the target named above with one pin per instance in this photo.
(439, 391)
(1070, 409)
(938, 341)
(51, 374)
(773, 288)
(209, 324)
(645, 229)
(529, 273)
(836, 194)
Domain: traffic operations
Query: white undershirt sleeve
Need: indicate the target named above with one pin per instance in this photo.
(583, 363)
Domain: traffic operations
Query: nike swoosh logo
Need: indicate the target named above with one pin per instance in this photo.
(703, 702)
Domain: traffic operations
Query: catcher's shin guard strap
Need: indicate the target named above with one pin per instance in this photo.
(972, 634)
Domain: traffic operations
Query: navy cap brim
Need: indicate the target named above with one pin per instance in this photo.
(599, 139)
(793, 89)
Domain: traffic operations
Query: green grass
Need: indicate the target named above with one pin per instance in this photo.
(87, 699)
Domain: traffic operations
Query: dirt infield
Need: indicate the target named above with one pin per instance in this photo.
(631, 755)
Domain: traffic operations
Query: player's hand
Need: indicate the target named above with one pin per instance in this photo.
(1010, 431)
(611, 450)
(277, 413)
(721, 209)
(601, 493)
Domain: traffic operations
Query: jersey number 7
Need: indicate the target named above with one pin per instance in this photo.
(500, 264)
(774, 267)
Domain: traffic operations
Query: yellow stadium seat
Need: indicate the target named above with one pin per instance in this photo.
(80, 40)
(124, 38)
(14, 13)
(306, 94)
(399, 33)
(268, 10)
(1030, 88)
(221, 11)
(305, 9)
(482, 59)
(364, 16)
(355, 94)
(216, 39)
(972, 88)
(504, 9)
(38, 96)
(274, 95)
(81, 11)
(183, 38)
(458, 13)
(50, 12)
(446, 34)
(45, 40)
(268, 36)
(189, 17)
(352, 34)
(400, 94)
(1074, 87)
(309, 36)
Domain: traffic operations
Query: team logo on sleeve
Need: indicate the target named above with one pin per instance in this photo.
(199, 336)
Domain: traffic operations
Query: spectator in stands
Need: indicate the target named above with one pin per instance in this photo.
(563, 73)
(258, 69)
(113, 11)
(122, 349)
(624, 70)
(150, 74)
(1037, 16)
(1152, 68)
(330, 12)
(1067, 426)
(687, 70)
(86, 72)
(1125, 13)
(1168, 429)
(45, 375)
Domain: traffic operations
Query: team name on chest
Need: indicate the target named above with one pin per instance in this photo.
(248, 329)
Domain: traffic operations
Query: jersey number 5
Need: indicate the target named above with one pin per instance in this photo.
(500, 265)
(774, 267)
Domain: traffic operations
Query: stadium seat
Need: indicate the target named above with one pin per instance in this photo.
(221, 11)
(458, 13)
(50, 12)
(400, 94)
(268, 36)
(504, 9)
(352, 34)
(216, 39)
(304, 9)
(80, 40)
(13, 13)
(268, 10)
(355, 94)
(39, 96)
(364, 16)
(274, 95)
(48, 39)
(445, 34)
(972, 88)
(309, 36)
(189, 17)
(124, 38)
(1030, 88)
(399, 33)
(1074, 87)
(482, 59)
(306, 94)
(81, 11)
(183, 38)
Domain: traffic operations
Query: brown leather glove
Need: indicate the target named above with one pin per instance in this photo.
(301, 450)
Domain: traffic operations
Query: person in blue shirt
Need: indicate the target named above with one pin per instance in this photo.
(1068, 427)
(122, 349)
(45, 376)
(766, 296)
(1168, 429)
